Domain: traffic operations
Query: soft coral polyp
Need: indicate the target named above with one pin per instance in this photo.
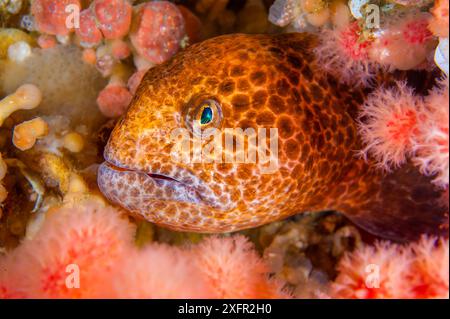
(389, 124)
(51, 15)
(113, 17)
(158, 30)
(416, 270)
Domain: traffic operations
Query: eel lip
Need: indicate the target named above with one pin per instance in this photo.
(199, 192)
(152, 175)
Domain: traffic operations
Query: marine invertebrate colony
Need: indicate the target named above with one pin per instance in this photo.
(88, 252)
(391, 124)
(432, 146)
(114, 99)
(25, 97)
(50, 16)
(386, 270)
(405, 44)
(234, 269)
(113, 17)
(396, 124)
(90, 238)
(159, 30)
(26, 133)
(56, 72)
(145, 274)
(344, 54)
(387, 39)
(155, 32)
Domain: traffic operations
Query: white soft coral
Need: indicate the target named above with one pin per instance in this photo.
(432, 145)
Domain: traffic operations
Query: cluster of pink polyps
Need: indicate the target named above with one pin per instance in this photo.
(405, 42)
(111, 31)
(89, 252)
(396, 125)
(386, 270)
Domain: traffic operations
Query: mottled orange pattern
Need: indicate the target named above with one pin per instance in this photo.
(258, 81)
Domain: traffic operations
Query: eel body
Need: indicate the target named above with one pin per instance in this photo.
(257, 81)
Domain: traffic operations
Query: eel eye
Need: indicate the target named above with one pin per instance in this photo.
(207, 116)
(206, 112)
(203, 112)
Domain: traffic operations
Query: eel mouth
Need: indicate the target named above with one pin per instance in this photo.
(121, 184)
(152, 175)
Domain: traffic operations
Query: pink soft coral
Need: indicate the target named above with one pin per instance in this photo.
(114, 99)
(216, 268)
(160, 271)
(234, 270)
(389, 124)
(50, 15)
(46, 41)
(113, 17)
(387, 270)
(432, 145)
(396, 124)
(415, 31)
(88, 33)
(120, 49)
(404, 43)
(373, 272)
(9, 279)
(343, 53)
(430, 271)
(99, 242)
(158, 31)
(91, 237)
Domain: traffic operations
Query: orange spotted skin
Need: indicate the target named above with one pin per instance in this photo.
(259, 81)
